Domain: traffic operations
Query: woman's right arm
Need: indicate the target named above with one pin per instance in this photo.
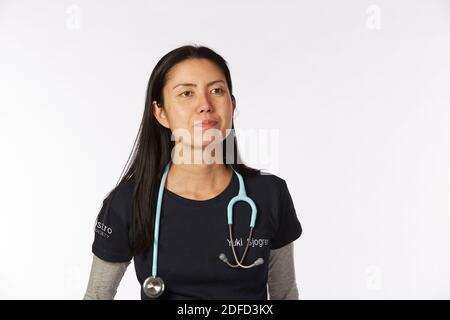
(104, 279)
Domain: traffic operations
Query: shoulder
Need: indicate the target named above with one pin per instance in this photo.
(122, 193)
(120, 199)
(267, 181)
(267, 188)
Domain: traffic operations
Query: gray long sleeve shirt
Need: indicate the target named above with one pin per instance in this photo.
(105, 276)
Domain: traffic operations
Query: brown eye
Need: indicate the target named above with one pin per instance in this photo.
(220, 90)
(183, 93)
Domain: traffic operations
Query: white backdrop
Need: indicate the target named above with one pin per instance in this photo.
(358, 91)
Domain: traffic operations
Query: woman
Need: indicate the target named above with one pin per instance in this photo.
(169, 211)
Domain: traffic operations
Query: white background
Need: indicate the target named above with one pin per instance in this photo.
(359, 91)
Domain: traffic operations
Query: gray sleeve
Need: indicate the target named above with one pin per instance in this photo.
(104, 279)
(281, 279)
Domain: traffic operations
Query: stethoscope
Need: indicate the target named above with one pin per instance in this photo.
(154, 286)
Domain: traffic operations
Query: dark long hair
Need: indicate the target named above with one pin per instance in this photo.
(154, 145)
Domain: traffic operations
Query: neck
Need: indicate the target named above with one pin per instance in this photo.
(198, 181)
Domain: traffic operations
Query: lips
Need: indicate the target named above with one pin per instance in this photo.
(206, 123)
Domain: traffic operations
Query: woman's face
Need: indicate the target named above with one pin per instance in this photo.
(196, 90)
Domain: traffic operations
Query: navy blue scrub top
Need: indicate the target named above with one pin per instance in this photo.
(193, 233)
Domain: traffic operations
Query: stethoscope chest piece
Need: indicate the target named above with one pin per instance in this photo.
(153, 287)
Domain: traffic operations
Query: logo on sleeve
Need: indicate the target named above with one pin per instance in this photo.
(103, 230)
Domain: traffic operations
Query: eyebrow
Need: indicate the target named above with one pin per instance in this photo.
(194, 85)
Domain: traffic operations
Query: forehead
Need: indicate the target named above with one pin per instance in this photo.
(194, 70)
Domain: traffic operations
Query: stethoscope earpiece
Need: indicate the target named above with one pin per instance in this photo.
(257, 262)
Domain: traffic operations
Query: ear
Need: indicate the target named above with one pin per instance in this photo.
(233, 101)
(160, 114)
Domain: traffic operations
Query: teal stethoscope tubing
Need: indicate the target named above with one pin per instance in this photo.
(242, 196)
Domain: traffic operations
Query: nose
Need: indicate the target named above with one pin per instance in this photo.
(205, 105)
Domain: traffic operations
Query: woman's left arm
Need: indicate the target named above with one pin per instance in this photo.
(281, 277)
